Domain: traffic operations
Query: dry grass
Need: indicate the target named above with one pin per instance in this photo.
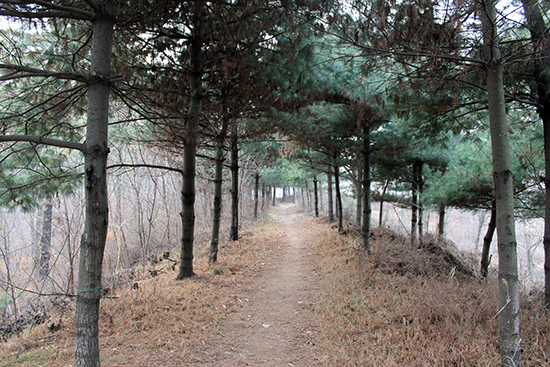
(403, 307)
(398, 307)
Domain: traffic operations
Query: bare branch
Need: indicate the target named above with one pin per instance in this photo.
(44, 141)
(32, 72)
(136, 165)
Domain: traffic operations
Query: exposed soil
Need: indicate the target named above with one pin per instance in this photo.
(275, 323)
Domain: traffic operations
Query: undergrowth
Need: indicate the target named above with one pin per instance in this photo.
(397, 307)
(405, 307)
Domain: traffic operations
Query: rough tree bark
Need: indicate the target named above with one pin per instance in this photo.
(510, 349)
(190, 148)
(96, 149)
(540, 36)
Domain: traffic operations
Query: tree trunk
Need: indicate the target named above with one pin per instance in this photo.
(420, 186)
(366, 188)
(359, 189)
(338, 198)
(441, 224)
(92, 244)
(510, 349)
(190, 148)
(274, 194)
(263, 196)
(485, 258)
(381, 214)
(46, 240)
(414, 199)
(217, 208)
(316, 196)
(308, 197)
(540, 37)
(329, 192)
(256, 189)
(234, 230)
(320, 199)
(218, 180)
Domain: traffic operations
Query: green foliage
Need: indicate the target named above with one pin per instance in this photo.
(5, 300)
(29, 173)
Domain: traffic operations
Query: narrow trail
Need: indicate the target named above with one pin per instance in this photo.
(275, 324)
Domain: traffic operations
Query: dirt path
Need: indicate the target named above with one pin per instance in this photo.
(274, 326)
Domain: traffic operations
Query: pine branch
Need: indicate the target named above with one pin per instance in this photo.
(33, 72)
(51, 10)
(44, 141)
(137, 165)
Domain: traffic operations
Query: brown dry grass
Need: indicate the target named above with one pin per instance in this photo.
(398, 307)
(404, 307)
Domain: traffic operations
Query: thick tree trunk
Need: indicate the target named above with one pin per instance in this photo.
(234, 229)
(338, 198)
(190, 148)
(485, 258)
(316, 196)
(540, 36)
(329, 193)
(92, 244)
(256, 193)
(46, 240)
(510, 349)
(366, 188)
(274, 194)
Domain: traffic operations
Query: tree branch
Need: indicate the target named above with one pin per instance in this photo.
(52, 10)
(38, 72)
(44, 141)
(134, 165)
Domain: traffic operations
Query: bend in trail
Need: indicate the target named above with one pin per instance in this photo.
(275, 324)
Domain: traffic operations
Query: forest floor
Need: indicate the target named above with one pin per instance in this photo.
(294, 292)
